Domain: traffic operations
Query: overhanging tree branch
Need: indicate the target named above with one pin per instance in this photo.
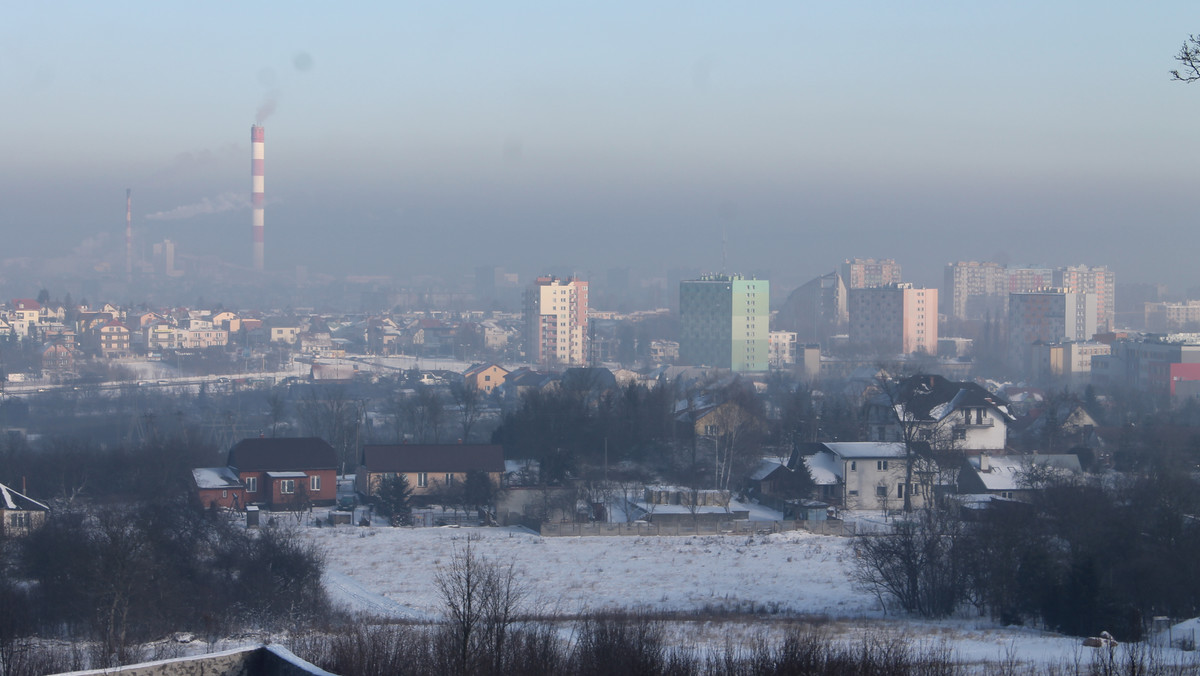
(1189, 58)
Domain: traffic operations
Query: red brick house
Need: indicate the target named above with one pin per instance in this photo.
(286, 473)
(219, 486)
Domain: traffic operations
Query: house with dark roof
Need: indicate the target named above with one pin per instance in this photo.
(959, 415)
(19, 513)
(427, 467)
(286, 473)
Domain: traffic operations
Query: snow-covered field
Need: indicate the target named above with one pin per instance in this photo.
(794, 572)
(779, 578)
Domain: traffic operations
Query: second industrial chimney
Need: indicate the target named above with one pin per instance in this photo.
(256, 192)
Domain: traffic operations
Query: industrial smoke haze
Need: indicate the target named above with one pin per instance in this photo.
(229, 201)
(267, 107)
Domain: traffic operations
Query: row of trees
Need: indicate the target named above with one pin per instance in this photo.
(120, 574)
(1082, 558)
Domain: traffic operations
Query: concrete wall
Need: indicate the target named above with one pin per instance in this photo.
(260, 661)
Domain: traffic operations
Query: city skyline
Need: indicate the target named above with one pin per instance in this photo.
(408, 139)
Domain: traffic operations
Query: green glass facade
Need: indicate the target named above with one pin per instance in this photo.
(724, 322)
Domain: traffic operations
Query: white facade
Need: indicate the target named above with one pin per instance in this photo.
(781, 348)
(556, 321)
(869, 475)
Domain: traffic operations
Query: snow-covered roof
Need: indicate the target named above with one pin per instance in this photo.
(866, 449)
(824, 468)
(764, 469)
(1005, 472)
(286, 475)
(215, 477)
(15, 500)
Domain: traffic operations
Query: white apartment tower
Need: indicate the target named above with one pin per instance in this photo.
(556, 321)
(1097, 280)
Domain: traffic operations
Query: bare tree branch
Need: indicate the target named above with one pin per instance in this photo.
(1189, 58)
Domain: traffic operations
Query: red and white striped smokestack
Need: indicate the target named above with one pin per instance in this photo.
(128, 234)
(256, 192)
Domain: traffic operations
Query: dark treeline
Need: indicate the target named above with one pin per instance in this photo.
(122, 575)
(1081, 559)
(570, 428)
(126, 556)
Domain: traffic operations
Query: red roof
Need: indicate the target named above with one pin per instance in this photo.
(26, 304)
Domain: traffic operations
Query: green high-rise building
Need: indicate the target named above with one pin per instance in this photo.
(724, 322)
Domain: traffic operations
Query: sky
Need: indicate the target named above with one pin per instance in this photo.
(412, 138)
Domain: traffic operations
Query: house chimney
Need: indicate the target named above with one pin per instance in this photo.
(985, 463)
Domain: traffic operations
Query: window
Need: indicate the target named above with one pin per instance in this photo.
(881, 491)
(881, 465)
(853, 466)
(287, 486)
(853, 493)
(314, 483)
(900, 491)
(251, 484)
(449, 479)
(225, 493)
(422, 479)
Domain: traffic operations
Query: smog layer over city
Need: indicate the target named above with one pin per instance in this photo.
(516, 338)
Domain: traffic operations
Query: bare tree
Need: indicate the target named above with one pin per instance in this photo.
(469, 400)
(483, 599)
(734, 430)
(1189, 58)
(919, 565)
(278, 409)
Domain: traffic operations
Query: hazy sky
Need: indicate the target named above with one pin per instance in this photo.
(406, 136)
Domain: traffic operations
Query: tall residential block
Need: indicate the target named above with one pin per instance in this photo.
(974, 290)
(724, 321)
(897, 318)
(1023, 278)
(556, 321)
(1098, 280)
(816, 310)
(862, 273)
(1048, 316)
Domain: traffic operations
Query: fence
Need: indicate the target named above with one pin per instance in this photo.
(740, 527)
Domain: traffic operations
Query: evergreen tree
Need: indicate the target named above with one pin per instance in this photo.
(393, 499)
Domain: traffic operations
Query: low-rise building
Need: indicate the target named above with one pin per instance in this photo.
(866, 475)
(286, 473)
(19, 513)
(218, 487)
(427, 467)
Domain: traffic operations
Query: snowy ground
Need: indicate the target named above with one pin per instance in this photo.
(794, 572)
(778, 578)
